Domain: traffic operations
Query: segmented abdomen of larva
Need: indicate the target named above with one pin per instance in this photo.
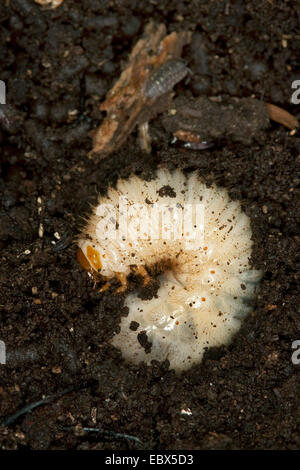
(209, 285)
(165, 78)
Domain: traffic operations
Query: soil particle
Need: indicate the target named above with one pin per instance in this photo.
(143, 340)
(134, 325)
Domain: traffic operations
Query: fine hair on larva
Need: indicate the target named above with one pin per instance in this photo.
(207, 287)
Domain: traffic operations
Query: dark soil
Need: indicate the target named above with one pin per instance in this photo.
(55, 325)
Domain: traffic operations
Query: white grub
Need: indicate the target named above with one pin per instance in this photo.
(204, 295)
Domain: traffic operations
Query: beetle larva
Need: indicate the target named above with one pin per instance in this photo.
(207, 280)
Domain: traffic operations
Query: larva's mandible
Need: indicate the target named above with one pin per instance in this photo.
(206, 288)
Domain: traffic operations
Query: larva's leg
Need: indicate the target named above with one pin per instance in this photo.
(105, 287)
(123, 280)
(140, 270)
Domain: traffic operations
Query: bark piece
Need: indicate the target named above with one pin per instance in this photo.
(126, 103)
(201, 120)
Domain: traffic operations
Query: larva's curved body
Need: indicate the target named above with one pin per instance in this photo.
(208, 283)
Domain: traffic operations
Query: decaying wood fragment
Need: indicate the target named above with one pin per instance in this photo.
(282, 116)
(126, 104)
(201, 121)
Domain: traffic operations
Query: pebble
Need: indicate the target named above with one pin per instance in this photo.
(56, 370)
(15, 23)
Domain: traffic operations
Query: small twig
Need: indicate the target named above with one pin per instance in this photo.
(107, 433)
(29, 408)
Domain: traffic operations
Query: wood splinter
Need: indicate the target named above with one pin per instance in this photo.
(282, 116)
(122, 278)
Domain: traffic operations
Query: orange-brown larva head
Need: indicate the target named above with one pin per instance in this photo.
(82, 260)
(93, 256)
(91, 262)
